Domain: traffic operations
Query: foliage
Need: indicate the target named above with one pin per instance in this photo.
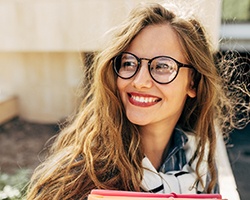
(233, 10)
(13, 187)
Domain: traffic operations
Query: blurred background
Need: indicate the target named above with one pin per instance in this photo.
(43, 46)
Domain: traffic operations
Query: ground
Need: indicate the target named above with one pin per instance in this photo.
(22, 144)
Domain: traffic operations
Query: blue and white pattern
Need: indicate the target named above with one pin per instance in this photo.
(176, 174)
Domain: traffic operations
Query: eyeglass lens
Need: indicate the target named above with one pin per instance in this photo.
(162, 69)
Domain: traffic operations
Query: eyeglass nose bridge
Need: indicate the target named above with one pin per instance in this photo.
(140, 62)
(139, 66)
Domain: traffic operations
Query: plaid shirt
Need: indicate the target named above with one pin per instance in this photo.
(175, 158)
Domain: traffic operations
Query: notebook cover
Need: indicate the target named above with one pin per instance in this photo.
(127, 195)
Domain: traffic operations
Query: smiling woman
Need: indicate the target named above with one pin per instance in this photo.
(148, 121)
(168, 96)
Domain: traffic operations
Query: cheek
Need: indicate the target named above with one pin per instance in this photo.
(177, 90)
(119, 84)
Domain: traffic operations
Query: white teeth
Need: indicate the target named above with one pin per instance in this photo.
(144, 99)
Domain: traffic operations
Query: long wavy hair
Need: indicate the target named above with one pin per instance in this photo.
(100, 148)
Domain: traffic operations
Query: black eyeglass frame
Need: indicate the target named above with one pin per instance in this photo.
(179, 65)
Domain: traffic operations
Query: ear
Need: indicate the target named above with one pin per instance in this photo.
(191, 90)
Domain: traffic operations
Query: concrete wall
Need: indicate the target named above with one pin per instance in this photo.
(41, 41)
(45, 82)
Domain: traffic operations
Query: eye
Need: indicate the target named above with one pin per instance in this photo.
(128, 65)
(163, 68)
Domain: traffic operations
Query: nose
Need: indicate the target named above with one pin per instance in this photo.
(142, 79)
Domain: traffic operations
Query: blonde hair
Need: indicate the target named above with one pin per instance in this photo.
(100, 148)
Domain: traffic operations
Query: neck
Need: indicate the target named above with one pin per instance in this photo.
(155, 142)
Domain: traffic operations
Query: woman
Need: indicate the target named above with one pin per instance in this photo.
(148, 121)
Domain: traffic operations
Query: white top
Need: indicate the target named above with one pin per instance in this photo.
(184, 181)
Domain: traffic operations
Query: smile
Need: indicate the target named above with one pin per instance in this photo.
(143, 100)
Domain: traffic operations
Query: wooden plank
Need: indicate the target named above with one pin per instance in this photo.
(8, 108)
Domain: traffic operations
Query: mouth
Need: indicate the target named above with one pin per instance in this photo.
(143, 100)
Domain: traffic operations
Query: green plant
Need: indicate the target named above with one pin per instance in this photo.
(13, 187)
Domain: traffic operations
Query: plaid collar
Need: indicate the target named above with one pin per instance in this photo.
(175, 158)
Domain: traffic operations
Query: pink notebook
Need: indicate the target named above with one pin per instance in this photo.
(125, 195)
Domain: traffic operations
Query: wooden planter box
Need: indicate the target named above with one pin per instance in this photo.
(8, 108)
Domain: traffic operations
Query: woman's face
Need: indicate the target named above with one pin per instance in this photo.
(146, 102)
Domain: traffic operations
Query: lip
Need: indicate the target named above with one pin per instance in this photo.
(143, 100)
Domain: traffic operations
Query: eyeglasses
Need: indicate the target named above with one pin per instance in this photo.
(162, 69)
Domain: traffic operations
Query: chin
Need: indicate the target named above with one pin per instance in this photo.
(138, 122)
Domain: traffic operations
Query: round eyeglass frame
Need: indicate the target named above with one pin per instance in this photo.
(179, 65)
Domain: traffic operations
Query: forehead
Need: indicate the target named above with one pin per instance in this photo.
(157, 40)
